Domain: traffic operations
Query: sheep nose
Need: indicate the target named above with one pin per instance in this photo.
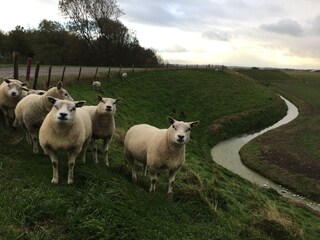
(180, 136)
(108, 108)
(13, 94)
(63, 114)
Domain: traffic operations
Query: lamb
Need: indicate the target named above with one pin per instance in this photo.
(96, 85)
(66, 128)
(103, 124)
(124, 76)
(32, 109)
(158, 149)
(11, 92)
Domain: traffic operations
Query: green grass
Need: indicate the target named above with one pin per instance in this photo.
(208, 203)
(290, 155)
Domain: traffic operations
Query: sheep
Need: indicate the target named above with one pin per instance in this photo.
(11, 92)
(65, 128)
(96, 85)
(103, 124)
(36, 91)
(32, 109)
(124, 76)
(158, 149)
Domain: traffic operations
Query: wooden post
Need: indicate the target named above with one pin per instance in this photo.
(29, 62)
(36, 74)
(120, 71)
(79, 74)
(108, 77)
(64, 70)
(133, 68)
(95, 76)
(49, 78)
(15, 65)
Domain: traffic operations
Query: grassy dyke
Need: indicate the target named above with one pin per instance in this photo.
(290, 155)
(208, 203)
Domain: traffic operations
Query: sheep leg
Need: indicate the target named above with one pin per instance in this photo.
(5, 116)
(71, 161)
(144, 169)
(55, 171)
(84, 150)
(95, 150)
(154, 176)
(106, 143)
(34, 140)
(172, 176)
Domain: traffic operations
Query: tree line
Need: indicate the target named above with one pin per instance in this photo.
(92, 36)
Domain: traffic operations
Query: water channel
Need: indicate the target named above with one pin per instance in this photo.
(226, 154)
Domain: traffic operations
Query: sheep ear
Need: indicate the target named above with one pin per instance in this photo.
(52, 99)
(41, 93)
(193, 124)
(171, 120)
(24, 84)
(59, 85)
(80, 103)
(100, 98)
(7, 80)
(25, 89)
(118, 100)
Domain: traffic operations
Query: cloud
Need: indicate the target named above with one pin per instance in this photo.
(217, 35)
(284, 26)
(175, 49)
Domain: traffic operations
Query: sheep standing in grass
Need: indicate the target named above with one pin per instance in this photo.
(11, 92)
(158, 149)
(66, 128)
(32, 109)
(96, 85)
(103, 124)
(124, 76)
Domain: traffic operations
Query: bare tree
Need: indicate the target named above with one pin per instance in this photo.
(85, 16)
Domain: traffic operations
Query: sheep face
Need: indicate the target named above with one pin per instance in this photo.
(179, 132)
(15, 88)
(63, 111)
(107, 105)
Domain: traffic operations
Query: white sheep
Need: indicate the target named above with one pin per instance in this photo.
(11, 92)
(96, 85)
(36, 91)
(32, 109)
(124, 75)
(66, 128)
(158, 149)
(103, 124)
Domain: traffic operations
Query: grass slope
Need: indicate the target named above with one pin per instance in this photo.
(208, 203)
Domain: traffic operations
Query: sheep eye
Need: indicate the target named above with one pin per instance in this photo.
(73, 109)
(56, 107)
(174, 127)
(66, 94)
(188, 129)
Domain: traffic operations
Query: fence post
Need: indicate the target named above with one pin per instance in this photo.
(120, 71)
(49, 78)
(133, 68)
(15, 65)
(36, 74)
(95, 75)
(80, 69)
(64, 70)
(29, 62)
(108, 77)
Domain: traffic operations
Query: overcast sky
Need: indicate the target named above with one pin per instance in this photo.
(264, 33)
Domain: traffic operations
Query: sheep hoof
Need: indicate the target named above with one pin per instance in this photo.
(54, 181)
(70, 181)
(170, 195)
(134, 179)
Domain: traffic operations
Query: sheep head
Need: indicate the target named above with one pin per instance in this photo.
(107, 105)
(63, 111)
(179, 131)
(15, 88)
